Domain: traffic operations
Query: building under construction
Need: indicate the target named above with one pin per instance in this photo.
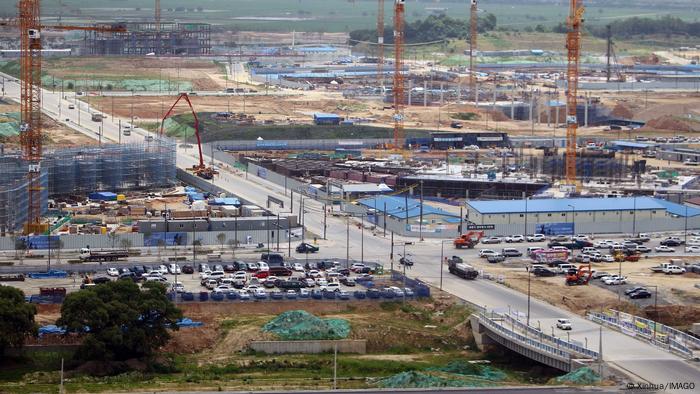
(180, 39)
(81, 170)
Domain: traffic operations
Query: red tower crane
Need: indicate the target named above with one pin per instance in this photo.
(30, 104)
(573, 46)
(399, 87)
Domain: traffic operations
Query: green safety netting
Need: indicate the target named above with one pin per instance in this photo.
(457, 373)
(174, 129)
(301, 325)
(9, 124)
(583, 376)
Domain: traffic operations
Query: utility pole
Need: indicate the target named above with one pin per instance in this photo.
(325, 215)
(347, 242)
(608, 53)
(420, 225)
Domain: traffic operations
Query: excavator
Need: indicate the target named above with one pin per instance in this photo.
(201, 169)
(468, 240)
(581, 276)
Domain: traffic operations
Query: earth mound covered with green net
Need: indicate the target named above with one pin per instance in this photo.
(301, 325)
(457, 373)
(581, 376)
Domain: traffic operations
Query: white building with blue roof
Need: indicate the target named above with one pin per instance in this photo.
(583, 215)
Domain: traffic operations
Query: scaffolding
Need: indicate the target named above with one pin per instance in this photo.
(181, 39)
(81, 170)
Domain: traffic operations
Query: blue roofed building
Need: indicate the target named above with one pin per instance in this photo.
(403, 216)
(326, 119)
(583, 215)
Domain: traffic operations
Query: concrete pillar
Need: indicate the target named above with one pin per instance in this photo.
(425, 93)
(476, 94)
(532, 103)
(539, 109)
(556, 116)
(410, 91)
(512, 106)
(585, 112)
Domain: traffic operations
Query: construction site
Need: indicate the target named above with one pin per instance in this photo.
(402, 147)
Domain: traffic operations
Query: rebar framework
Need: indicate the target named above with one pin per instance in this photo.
(182, 39)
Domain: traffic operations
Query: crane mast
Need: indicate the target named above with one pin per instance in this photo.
(30, 128)
(573, 46)
(473, 25)
(399, 89)
(380, 43)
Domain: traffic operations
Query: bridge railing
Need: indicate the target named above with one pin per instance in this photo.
(658, 334)
(574, 347)
(532, 342)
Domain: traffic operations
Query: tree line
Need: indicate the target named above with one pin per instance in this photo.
(432, 28)
(637, 26)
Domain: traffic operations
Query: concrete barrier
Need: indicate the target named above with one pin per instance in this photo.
(358, 346)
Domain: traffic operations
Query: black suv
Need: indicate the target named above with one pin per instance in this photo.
(306, 248)
(272, 259)
(289, 284)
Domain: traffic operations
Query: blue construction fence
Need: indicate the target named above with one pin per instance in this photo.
(419, 287)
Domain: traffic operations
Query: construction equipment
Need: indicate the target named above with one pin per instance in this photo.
(473, 25)
(612, 58)
(457, 267)
(30, 104)
(200, 169)
(380, 43)
(581, 277)
(399, 87)
(468, 240)
(573, 46)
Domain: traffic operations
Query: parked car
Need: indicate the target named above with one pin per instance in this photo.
(640, 294)
(491, 240)
(514, 238)
(674, 270)
(309, 282)
(495, 258)
(297, 267)
(483, 253)
(536, 238)
(671, 242)
(600, 274)
(511, 252)
(305, 247)
(174, 269)
(187, 269)
(355, 267)
(112, 271)
(692, 249)
(347, 281)
(634, 289)
(615, 281)
(664, 249)
(541, 271)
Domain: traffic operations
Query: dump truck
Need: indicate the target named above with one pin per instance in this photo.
(459, 268)
(108, 255)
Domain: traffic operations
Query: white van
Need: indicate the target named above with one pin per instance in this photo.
(565, 267)
(214, 258)
(263, 266)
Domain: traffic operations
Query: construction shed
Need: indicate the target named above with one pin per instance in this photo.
(326, 119)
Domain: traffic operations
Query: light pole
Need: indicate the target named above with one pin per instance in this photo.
(573, 219)
(685, 229)
(528, 294)
(656, 292)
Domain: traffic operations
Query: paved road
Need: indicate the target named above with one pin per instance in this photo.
(642, 360)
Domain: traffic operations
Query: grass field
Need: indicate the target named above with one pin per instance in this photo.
(343, 15)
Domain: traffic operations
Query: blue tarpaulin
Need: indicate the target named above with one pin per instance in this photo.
(187, 322)
(51, 329)
(48, 275)
(103, 196)
(226, 201)
(195, 197)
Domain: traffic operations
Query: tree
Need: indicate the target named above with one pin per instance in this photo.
(59, 245)
(126, 243)
(221, 237)
(16, 318)
(232, 244)
(113, 237)
(124, 321)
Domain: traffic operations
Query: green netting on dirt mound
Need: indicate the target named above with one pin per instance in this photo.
(416, 379)
(462, 367)
(174, 129)
(9, 124)
(583, 376)
(301, 325)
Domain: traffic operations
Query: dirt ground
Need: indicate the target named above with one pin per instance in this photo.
(674, 291)
(57, 135)
(204, 75)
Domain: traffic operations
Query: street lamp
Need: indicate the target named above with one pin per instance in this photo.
(573, 219)
(656, 315)
(527, 267)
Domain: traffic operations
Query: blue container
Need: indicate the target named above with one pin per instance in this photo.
(317, 295)
(203, 296)
(276, 295)
(217, 296)
(291, 296)
(343, 296)
(302, 295)
(329, 295)
(359, 294)
(388, 294)
(232, 295)
(373, 294)
(187, 296)
(260, 296)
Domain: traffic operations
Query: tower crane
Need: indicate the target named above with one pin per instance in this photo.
(380, 43)
(573, 46)
(473, 26)
(30, 104)
(399, 88)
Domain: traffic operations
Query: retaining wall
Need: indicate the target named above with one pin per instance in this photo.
(358, 346)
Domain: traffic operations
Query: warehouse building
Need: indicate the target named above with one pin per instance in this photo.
(327, 119)
(458, 140)
(582, 215)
